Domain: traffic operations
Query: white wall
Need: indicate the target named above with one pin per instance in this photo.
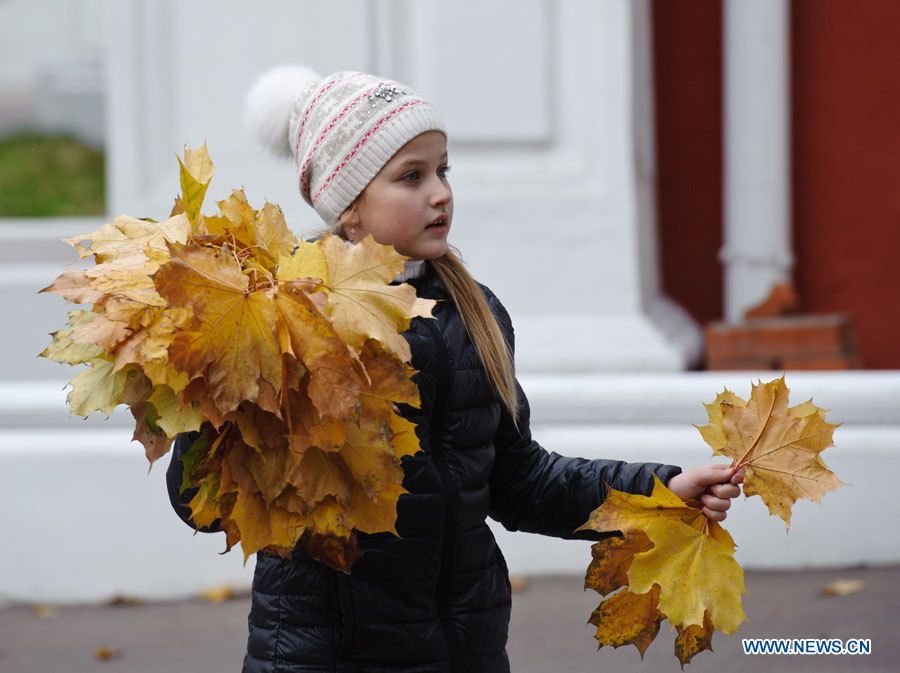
(51, 62)
(38, 33)
(88, 521)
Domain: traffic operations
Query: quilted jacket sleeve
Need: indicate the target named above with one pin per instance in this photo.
(538, 491)
(173, 484)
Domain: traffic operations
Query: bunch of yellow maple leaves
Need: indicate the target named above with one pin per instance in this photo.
(286, 355)
(671, 561)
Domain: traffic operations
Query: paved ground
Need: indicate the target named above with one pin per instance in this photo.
(548, 631)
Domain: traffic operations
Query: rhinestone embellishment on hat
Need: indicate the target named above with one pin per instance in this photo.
(386, 92)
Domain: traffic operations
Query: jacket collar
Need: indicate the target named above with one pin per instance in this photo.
(427, 283)
(413, 269)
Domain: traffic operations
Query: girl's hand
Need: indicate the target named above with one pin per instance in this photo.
(714, 484)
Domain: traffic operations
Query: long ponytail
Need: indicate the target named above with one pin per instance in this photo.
(481, 324)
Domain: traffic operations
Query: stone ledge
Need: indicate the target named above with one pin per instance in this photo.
(859, 397)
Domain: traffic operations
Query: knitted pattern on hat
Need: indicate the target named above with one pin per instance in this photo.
(341, 129)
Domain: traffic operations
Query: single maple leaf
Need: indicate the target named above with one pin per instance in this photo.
(779, 446)
(696, 573)
(171, 416)
(129, 237)
(74, 286)
(98, 388)
(305, 261)
(612, 557)
(628, 618)
(100, 331)
(693, 639)
(273, 235)
(64, 349)
(196, 173)
(234, 342)
(361, 303)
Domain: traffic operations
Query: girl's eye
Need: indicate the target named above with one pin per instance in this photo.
(413, 176)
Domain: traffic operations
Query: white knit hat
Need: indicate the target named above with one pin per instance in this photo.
(340, 129)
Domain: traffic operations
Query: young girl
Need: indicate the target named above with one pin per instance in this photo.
(372, 159)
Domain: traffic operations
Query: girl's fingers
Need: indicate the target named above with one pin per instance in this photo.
(713, 503)
(714, 515)
(725, 490)
(738, 477)
(717, 473)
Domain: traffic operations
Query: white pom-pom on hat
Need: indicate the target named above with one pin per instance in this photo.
(267, 106)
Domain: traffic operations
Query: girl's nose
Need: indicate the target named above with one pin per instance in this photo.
(442, 194)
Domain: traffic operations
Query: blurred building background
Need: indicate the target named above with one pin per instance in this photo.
(670, 197)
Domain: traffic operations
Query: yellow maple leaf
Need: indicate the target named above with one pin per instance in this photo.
(272, 233)
(628, 618)
(97, 329)
(196, 172)
(74, 286)
(631, 513)
(693, 639)
(375, 511)
(361, 302)
(64, 349)
(612, 557)
(778, 445)
(306, 261)
(128, 237)
(173, 417)
(97, 388)
(234, 342)
(695, 573)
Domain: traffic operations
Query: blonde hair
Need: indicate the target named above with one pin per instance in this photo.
(480, 322)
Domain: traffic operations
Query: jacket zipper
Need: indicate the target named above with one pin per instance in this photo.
(450, 494)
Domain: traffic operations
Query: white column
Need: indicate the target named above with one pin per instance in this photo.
(757, 248)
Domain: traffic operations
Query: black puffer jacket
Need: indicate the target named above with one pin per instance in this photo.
(438, 597)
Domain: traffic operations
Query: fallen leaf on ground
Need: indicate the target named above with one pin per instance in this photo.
(222, 593)
(843, 587)
(119, 601)
(518, 584)
(107, 654)
(44, 611)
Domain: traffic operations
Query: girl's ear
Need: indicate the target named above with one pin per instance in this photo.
(347, 223)
(350, 218)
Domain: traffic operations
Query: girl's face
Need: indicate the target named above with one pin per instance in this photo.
(409, 192)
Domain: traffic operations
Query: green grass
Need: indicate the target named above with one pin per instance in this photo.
(48, 176)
